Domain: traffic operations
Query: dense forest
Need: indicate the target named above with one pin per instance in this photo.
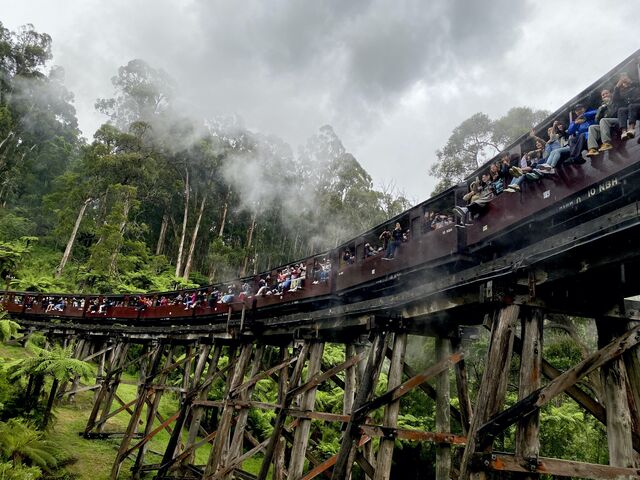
(158, 200)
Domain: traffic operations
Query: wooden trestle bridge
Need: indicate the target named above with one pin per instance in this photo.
(591, 270)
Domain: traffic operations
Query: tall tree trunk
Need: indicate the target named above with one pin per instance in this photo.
(248, 245)
(52, 397)
(72, 238)
(294, 253)
(255, 261)
(194, 237)
(184, 224)
(163, 233)
(224, 213)
(113, 266)
(38, 383)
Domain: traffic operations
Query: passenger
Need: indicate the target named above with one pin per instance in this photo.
(262, 288)
(626, 94)
(61, 305)
(298, 274)
(190, 299)
(427, 220)
(438, 221)
(528, 169)
(507, 161)
(478, 201)
(396, 240)
(102, 308)
(229, 296)
(369, 251)
(384, 237)
(51, 306)
(606, 117)
(326, 270)
(163, 301)
(347, 257)
(561, 152)
(286, 284)
(214, 296)
(497, 178)
(317, 270)
(579, 132)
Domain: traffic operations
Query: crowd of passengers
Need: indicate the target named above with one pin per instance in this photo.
(391, 238)
(288, 279)
(588, 135)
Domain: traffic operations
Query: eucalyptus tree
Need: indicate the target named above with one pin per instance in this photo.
(38, 127)
(126, 170)
(476, 140)
(142, 93)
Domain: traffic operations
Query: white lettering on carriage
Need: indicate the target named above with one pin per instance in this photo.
(602, 187)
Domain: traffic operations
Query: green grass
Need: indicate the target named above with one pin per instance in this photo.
(94, 458)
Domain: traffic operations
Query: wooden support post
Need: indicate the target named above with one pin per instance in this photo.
(279, 470)
(462, 388)
(282, 413)
(173, 446)
(561, 383)
(152, 409)
(137, 413)
(346, 455)
(120, 358)
(614, 381)
(443, 417)
(78, 353)
(491, 394)
(391, 411)
(99, 371)
(527, 440)
(632, 365)
(235, 450)
(221, 444)
(142, 374)
(301, 436)
(197, 412)
(349, 380)
(108, 388)
(361, 348)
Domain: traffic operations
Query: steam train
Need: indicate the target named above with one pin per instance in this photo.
(550, 205)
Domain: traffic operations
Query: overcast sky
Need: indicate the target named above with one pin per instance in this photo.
(392, 77)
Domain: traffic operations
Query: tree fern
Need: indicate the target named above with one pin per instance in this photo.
(22, 444)
(8, 328)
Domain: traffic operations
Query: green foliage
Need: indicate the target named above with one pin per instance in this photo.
(58, 362)
(23, 444)
(12, 253)
(566, 431)
(8, 328)
(13, 226)
(8, 471)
